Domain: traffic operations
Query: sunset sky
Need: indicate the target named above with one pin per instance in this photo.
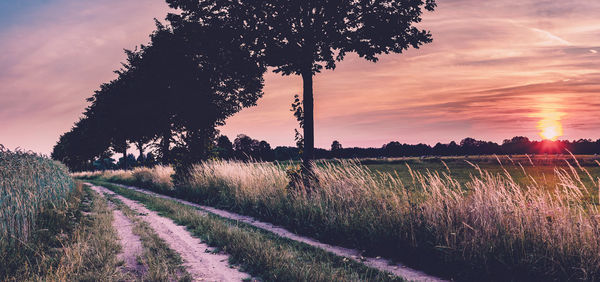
(496, 69)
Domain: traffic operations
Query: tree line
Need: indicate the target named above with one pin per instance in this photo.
(208, 63)
(245, 148)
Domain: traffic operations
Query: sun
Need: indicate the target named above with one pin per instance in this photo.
(550, 129)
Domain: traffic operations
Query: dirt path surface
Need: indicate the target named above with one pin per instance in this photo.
(131, 245)
(198, 259)
(378, 263)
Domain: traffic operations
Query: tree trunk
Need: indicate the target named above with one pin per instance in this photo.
(309, 128)
(165, 143)
(140, 147)
(125, 157)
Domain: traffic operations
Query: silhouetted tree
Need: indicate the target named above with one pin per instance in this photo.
(224, 147)
(265, 153)
(303, 37)
(336, 147)
(245, 147)
(178, 89)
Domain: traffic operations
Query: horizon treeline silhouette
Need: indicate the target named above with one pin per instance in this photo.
(245, 148)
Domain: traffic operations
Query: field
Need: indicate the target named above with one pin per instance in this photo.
(58, 229)
(463, 218)
(522, 168)
(516, 217)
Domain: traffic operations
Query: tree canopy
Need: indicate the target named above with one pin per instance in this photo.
(304, 37)
(176, 89)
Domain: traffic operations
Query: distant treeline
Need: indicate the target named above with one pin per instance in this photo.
(468, 146)
(246, 148)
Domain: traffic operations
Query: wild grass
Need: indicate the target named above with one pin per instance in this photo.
(491, 226)
(158, 177)
(75, 242)
(260, 253)
(29, 184)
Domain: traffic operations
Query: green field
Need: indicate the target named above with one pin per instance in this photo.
(521, 168)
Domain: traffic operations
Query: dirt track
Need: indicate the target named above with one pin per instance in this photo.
(378, 263)
(131, 245)
(198, 259)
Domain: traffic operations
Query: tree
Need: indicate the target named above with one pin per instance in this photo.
(224, 147)
(336, 147)
(208, 76)
(304, 37)
(178, 88)
(265, 153)
(245, 147)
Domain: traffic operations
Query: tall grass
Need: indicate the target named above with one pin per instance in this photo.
(492, 226)
(158, 177)
(29, 183)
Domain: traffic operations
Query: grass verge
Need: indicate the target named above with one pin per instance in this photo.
(260, 253)
(73, 242)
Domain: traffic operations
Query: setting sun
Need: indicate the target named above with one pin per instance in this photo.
(550, 129)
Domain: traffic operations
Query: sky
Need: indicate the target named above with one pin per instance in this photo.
(496, 69)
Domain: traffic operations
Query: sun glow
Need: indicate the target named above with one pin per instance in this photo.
(550, 129)
(550, 125)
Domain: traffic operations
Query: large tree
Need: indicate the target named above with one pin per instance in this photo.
(303, 37)
(179, 87)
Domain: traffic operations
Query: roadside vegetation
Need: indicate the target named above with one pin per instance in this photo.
(492, 226)
(258, 252)
(73, 241)
(30, 184)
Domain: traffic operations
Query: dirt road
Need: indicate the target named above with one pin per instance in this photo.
(198, 258)
(377, 262)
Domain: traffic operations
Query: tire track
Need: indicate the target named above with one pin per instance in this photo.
(377, 262)
(198, 258)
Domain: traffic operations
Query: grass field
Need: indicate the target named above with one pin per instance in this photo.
(466, 220)
(521, 168)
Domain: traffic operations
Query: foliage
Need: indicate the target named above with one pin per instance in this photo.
(299, 114)
(304, 37)
(174, 91)
(246, 148)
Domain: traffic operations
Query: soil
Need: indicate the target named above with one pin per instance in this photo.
(199, 259)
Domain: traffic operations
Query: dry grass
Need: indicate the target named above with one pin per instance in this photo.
(158, 177)
(490, 226)
(262, 254)
(75, 242)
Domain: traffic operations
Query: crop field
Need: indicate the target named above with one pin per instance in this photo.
(507, 217)
(522, 168)
(30, 184)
